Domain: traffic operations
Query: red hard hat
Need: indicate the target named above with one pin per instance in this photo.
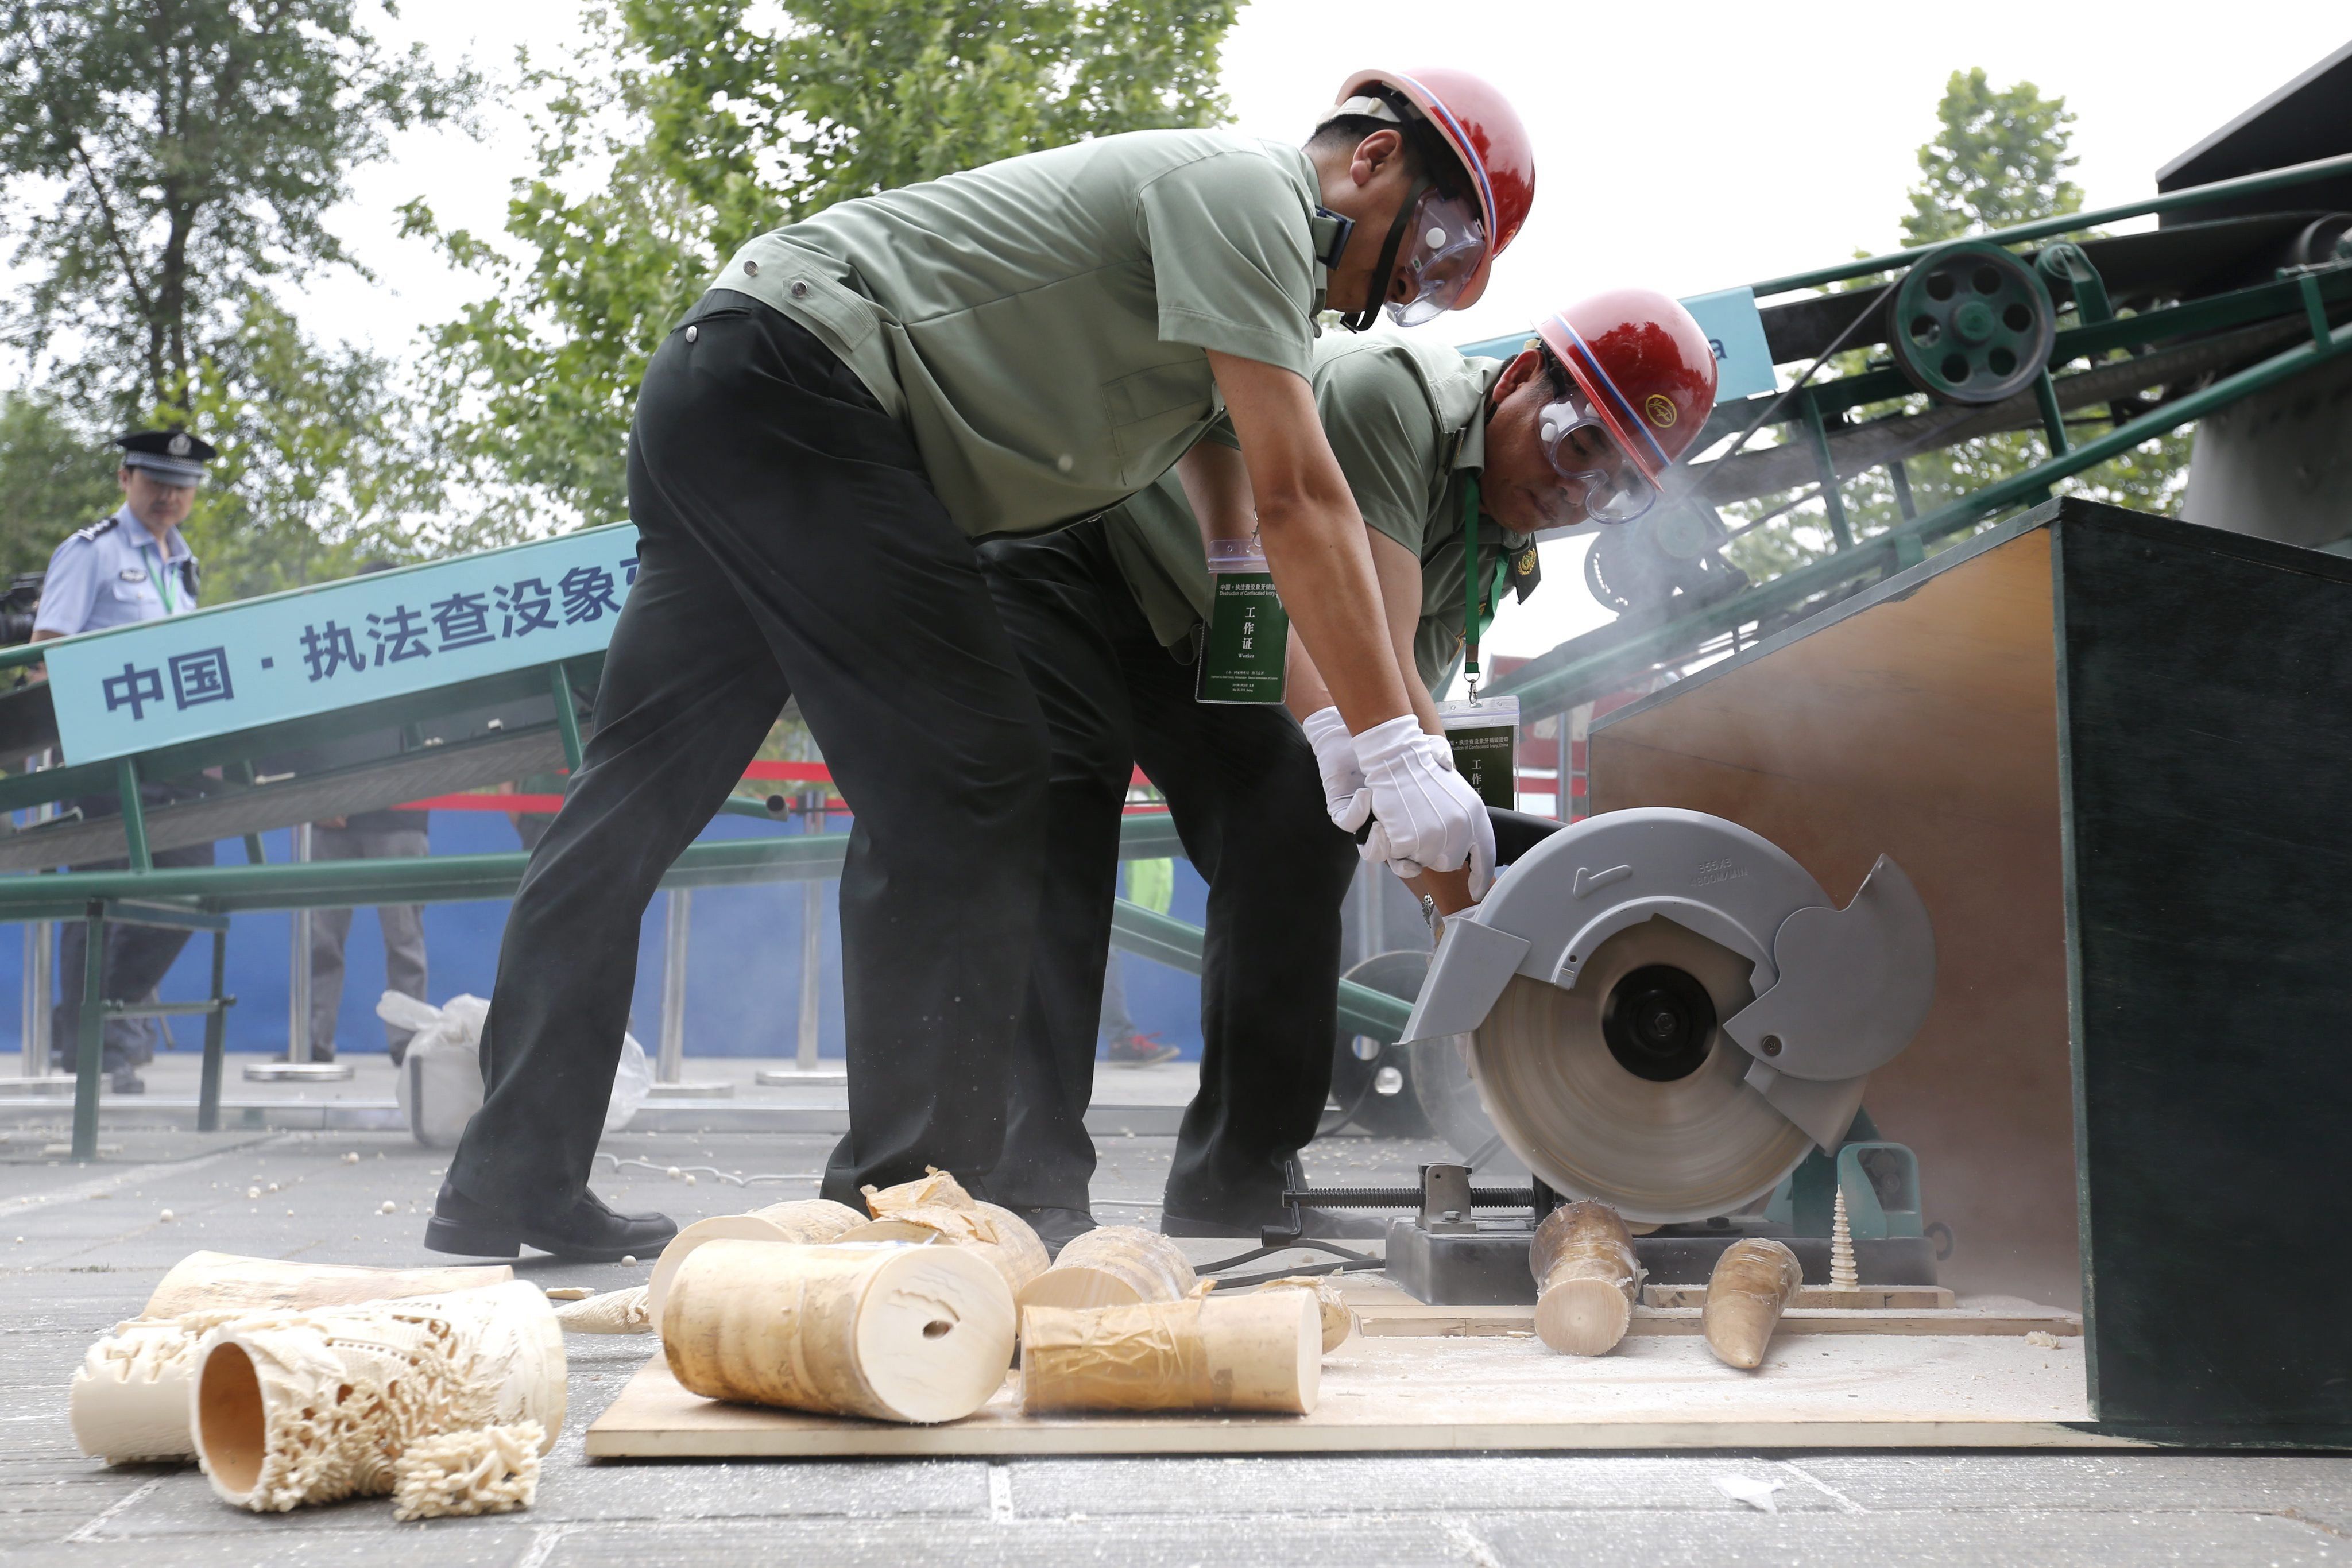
(1644, 364)
(1484, 133)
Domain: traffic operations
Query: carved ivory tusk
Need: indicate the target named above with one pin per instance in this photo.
(444, 1401)
(129, 1400)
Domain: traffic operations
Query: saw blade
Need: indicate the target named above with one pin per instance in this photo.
(1625, 1089)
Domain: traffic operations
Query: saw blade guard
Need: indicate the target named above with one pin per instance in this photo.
(1599, 983)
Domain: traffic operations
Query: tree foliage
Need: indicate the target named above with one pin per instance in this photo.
(1999, 158)
(164, 163)
(682, 128)
(50, 483)
(164, 158)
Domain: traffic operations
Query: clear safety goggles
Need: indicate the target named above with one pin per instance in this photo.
(1590, 463)
(1444, 249)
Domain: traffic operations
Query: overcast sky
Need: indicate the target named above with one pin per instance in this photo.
(1688, 148)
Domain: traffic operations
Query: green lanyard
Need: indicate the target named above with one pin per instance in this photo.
(163, 578)
(1470, 627)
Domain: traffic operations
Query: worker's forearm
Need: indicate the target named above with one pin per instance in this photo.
(1324, 574)
(1424, 706)
(1303, 691)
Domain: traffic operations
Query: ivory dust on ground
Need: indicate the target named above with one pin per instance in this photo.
(82, 1247)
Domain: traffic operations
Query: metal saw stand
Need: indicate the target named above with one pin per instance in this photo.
(1445, 1255)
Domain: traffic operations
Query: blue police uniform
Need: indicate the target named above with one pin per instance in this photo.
(115, 573)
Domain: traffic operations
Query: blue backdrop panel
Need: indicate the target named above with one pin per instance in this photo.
(744, 971)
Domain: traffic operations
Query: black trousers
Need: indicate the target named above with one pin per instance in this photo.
(1242, 785)
(137, 956)
(791, 545)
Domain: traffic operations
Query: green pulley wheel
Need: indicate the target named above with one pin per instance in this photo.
(1971, 324)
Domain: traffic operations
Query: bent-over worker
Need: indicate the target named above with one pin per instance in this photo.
(857, 399)
(1577, 427)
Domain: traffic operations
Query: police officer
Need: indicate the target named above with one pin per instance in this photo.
(1576, 428)
(130, 566)
(857, 399)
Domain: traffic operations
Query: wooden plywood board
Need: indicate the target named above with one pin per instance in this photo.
(1407, 1395)
(1922, 725)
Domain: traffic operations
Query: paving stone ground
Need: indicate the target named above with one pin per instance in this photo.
(82, 1245)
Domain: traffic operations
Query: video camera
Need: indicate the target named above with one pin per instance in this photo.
(18, 607)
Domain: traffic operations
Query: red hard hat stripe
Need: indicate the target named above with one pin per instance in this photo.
(1470, 158)
(1619, 411)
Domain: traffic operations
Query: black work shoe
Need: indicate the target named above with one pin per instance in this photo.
(1056, 1228)
(1323, 1224)
(587, 1232)
(126, 1081)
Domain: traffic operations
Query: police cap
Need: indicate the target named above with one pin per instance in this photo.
(173, 456)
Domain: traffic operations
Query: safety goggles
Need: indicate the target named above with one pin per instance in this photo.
(1444, 244)
(1590, 464)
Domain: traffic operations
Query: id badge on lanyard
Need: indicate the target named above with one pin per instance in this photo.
(1484, 734)
(1248, 646)
(162, 571)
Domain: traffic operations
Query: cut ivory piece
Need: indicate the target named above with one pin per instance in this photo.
(303, 1408)
(1752, 1285)
(936, 1189)
(1340, 1323)
(614, 1311)
(1587, 1279)
(892, 1332)
(1112, 1266)
(1258, 1351)
(218, 1282)
(929, 1205)
(810, 1221)
(998, 1235)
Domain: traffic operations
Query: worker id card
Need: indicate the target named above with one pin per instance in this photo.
(1485, 738)
(1248, 643)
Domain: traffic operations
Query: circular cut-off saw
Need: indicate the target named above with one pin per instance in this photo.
(1666, 1013)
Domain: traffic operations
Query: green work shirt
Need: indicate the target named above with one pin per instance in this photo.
(1407, 420)
(1039, 324)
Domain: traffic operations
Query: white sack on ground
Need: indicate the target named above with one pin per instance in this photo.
(440, 1081)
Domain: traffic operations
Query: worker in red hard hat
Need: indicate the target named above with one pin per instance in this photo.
(818, 442)
(1466, 204)
(1576, 429)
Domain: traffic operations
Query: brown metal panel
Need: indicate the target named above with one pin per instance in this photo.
(1918, 721)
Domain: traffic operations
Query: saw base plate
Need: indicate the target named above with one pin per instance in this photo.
(1489, 1268)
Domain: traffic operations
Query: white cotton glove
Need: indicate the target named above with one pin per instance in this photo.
(1424, 816)
(1343, 778)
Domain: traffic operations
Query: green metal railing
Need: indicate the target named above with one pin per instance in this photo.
(1554, 682)
(2075, 222)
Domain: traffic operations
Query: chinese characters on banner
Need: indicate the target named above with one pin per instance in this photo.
(292, 654)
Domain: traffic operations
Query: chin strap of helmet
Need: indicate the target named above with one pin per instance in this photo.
(1384, 273)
